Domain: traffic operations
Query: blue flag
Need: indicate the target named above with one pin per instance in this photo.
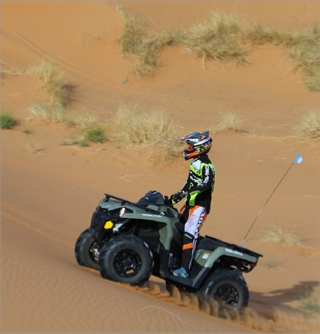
(298, 159)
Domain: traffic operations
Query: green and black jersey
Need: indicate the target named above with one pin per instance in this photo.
(200, 182)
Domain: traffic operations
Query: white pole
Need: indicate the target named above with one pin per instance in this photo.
(298, 159)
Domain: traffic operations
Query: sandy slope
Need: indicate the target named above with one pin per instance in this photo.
(49, 191)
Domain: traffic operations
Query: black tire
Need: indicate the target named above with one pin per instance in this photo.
(126, 259)
(228, 289)
(86, 250)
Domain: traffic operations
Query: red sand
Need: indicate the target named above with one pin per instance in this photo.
(49, 191)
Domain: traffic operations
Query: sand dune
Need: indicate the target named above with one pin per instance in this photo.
(49, 190)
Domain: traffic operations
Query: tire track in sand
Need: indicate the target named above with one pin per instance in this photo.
(27, 46)
(34, 228)
(25, 216)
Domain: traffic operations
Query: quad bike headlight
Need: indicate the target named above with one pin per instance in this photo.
(122, 211)
(108, 225)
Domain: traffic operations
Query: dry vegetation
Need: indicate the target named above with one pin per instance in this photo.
(138, 40)
(225, 38)
(51, 78)
(282, 237)
(155, 128)
(131, 125)
(229, 122)
(137, 127)
(152, 128)
(222, 37)
(50, 113)
(309, 126)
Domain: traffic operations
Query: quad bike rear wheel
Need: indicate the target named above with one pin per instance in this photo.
(228, 288)
(126, 259)
(86, 250)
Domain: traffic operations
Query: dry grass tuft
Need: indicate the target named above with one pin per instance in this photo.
(220, 38)
(309, 127)
(50, 113)
(229, 122)
(51, 78)
(137, 127)
(223, 37)
(152, 128)
(283, 237)
(53, 111)
(305, 53)
(137, 39)
(258, 35)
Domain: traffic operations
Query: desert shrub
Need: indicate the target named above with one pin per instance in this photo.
(53, 111)
(152, 128)
(258, 35)
(48, 112)
(51, 78)
(7, 121)
(223, 37)
(283, 237)
(96, 134)
(306, 55)
(229, 121)
(137, 127)
(309, 126)
(220, 38)
(138, 40)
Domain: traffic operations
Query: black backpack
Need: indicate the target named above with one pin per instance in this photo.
(151, 197)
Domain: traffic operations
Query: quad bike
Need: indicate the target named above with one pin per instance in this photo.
(128, 242)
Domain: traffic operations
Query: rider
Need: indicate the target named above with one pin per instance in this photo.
(198, 192)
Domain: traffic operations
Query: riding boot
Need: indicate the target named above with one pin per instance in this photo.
(187, 251)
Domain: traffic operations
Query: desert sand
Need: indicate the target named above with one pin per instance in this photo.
(49, 191)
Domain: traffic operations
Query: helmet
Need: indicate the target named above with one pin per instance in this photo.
(198, 143)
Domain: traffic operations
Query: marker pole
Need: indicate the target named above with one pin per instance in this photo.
(298, 159)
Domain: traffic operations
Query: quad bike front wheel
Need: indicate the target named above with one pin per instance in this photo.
(229, 291)
(126, 259)
(86, 250)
